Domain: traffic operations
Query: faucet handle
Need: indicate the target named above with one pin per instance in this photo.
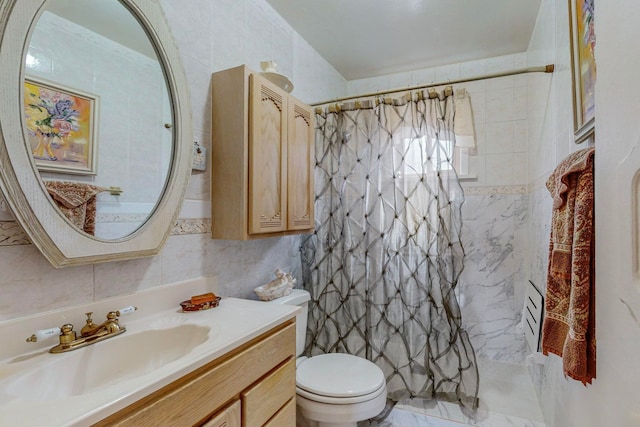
(126, 310)
(43, 333)
(89, 326)
(67, 334)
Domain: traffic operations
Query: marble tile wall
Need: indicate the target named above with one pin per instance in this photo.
(494, 239)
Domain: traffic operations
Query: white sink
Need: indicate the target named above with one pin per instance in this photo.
(52, 376)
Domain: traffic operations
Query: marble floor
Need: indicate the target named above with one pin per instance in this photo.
(507, 399)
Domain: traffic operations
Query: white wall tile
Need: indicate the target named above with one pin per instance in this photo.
(447, 72)
(520, 136)
(520, 169)
(400, 80)
(423, 76)
(31, 285)
(500, 137)
(188, 20)
(500, 105)
(499, 169)
(473, 69)
(520, 103)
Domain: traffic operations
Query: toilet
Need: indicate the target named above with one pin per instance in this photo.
(336, 389)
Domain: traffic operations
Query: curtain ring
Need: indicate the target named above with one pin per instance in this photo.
(448, 91)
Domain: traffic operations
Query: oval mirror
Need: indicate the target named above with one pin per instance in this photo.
(97, 115)
(102, 103)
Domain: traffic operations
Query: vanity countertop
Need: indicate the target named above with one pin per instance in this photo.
(231, 324)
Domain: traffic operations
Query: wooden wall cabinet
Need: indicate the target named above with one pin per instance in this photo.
(262, 158)
(252, 386)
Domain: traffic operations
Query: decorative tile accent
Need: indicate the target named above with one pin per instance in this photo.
(192, 226)
(492, 190)
(12, 234)
(119, 218)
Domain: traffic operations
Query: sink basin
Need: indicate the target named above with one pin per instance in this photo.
(102, 364)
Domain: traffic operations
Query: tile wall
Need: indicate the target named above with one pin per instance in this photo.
(133, 89)
(210, 36)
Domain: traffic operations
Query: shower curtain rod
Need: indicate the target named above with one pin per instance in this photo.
(539, 69)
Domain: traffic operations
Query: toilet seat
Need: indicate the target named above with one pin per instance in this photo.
(339, 378)
(341, 400)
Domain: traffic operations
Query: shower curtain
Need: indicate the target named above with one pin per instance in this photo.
(385, 258)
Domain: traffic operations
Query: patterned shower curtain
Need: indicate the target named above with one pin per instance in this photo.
(384, 261)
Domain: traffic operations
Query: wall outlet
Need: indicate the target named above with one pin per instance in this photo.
(199, 157)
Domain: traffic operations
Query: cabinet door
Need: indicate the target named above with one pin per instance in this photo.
(267, 157)
(230, 417)
(285, 417)
(264, 399)
(300, 143)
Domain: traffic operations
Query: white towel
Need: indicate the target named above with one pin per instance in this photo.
(463, 123)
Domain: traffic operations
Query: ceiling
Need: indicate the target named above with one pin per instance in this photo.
(367, 38)
(99, 17)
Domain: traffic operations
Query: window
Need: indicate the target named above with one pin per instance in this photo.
(418, 151)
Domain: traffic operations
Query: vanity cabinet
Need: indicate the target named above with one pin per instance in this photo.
(262, 154)
(253, 385)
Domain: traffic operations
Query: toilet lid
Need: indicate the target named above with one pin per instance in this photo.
(339, 375)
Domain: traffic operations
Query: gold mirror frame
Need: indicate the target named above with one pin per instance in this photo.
(59, 241)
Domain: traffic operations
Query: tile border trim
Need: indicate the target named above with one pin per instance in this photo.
(11, 234)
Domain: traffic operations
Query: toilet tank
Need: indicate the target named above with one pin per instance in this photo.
(300, 298)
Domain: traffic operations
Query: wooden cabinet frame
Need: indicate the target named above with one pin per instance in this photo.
(206, 394)
(262, 158)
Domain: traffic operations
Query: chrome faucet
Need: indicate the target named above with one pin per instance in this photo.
(89, 334)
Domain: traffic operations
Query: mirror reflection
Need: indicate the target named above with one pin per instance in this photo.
(97, 115)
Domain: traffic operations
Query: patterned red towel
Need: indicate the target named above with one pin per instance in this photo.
(569, 324)
(77, 201)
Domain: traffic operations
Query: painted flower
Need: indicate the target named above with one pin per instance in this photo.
(51, 113)
(62, 127)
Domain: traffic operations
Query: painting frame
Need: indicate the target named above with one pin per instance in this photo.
(583, 67)
(61, 126)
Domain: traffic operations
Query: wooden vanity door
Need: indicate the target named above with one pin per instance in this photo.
(229, 417)
(300, 168)
(267, 157)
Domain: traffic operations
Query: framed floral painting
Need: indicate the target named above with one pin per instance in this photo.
(61, 125)
(583, 65)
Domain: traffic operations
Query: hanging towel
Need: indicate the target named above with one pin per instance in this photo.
(77, 201)
(569, 324)
(463, 122)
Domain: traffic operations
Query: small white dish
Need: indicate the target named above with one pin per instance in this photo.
(280, 80)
